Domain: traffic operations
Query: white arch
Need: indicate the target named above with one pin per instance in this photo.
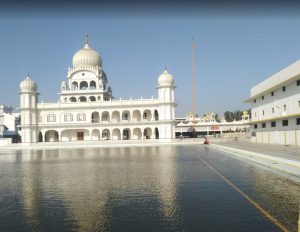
(115, 117)
(137, 133)
(73, 99)
(95, 135)
(92, 85)
(136, 115)
(41, 139)
(74, 85)
(83, 85)
(75, 135)
(156, 115)
(82, 99)
(105, 135)
(147, 133)
(105, 116)
(147, 115)
(92, 98)
(51, 136)
(126, 134)
(125, 115)
(116, 134)
(95, 118)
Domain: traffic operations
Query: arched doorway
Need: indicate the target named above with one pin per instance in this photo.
(136, 115)
(147, 115)
(83, 85)
(116, 135)
(40, 137)
(73, 99)
(106, 134)
(92, 85)
(82, 99)
(95, 117)
(92, 98)
(156, 116)
(126, 115)
(105, 116)
(126, 134)
(51, 136)
(156, 133)
(95, 135)
(115, 116)
(137, 133)
(74, 85)
(147, 133)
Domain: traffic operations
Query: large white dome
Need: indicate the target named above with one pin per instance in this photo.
(28, 85)
(86, 57)
(165, 79)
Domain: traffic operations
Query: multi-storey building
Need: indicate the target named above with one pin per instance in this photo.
(87, 110)
(275, 108)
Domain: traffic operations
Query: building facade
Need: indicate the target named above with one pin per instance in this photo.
(8, 124)
(86, 109)
(209, 125)
(275, 108)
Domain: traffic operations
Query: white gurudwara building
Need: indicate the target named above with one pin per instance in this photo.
(275, 108)
(86, 109)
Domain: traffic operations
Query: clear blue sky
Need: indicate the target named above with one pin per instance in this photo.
(234, 51)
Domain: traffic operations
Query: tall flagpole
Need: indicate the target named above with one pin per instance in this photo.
(193, 87)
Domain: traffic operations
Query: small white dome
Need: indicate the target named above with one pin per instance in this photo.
(28, 85)
(86, 57)
(165, 79)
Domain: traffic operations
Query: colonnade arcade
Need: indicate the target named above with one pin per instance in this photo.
(124, 133)
(104, 116)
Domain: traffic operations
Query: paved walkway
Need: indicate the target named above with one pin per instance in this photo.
(285, 159)
(280, 151)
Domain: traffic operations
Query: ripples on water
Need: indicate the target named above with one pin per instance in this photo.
(162, 188)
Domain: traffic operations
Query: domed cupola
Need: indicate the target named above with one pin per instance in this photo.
(86, 57)
(165, 79)
(28, 85)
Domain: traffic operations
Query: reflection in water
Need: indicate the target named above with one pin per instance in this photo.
(89, 182)
(284, 202)
(160, 188)
(168, 175)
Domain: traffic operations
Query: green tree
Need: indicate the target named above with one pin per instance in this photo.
(228, 116)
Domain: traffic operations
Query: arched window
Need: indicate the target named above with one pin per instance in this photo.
(147, 133)
(65, 99)
(51, 118)
(81, 117)
(126, 115)
(105, 116)
(83, 85)
(68, 117)
(156, 133)
(40, 137)
(74, 85)
(136, 115)
(82, 99)
(73, 99)
(92, 98)
(92, 85)
(95, 117)
(99, 98)
(147, 115)
(156, 116)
